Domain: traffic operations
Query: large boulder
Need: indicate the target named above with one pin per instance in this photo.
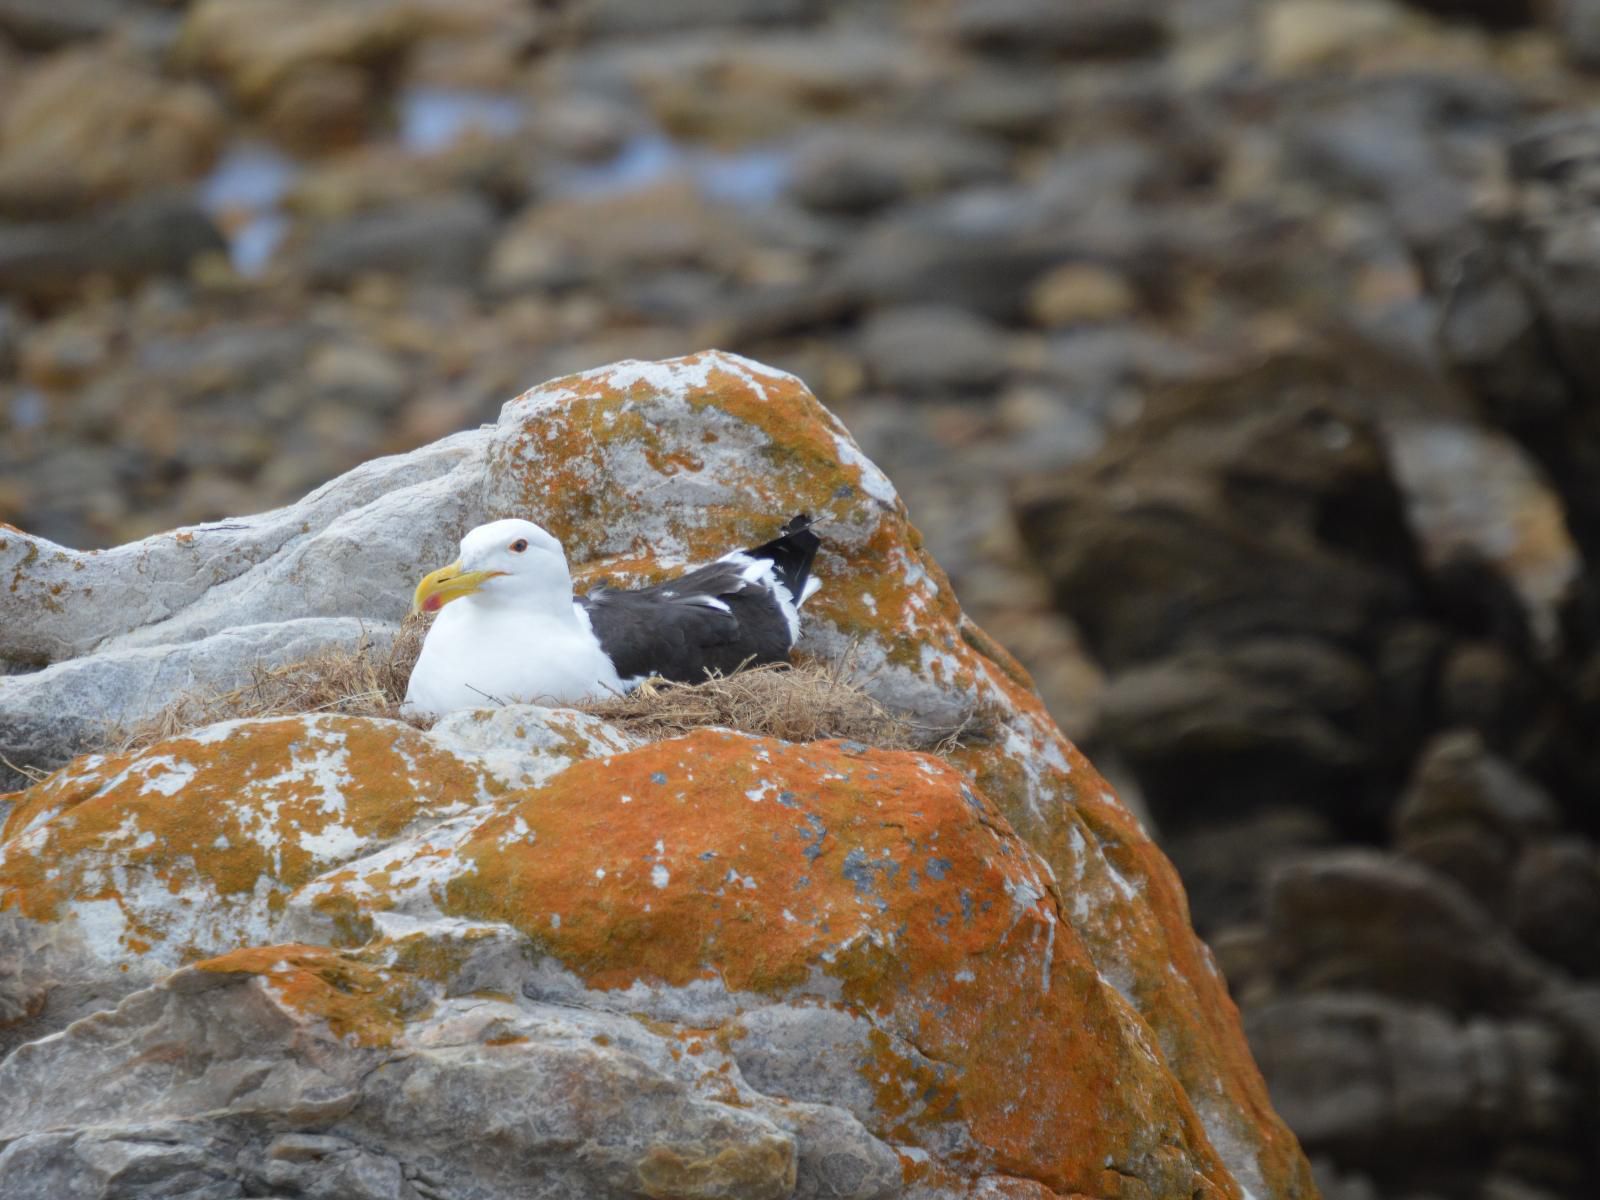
(530, 950)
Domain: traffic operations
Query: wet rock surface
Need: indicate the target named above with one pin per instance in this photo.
(1233, 357)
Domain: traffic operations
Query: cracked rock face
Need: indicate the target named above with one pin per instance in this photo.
(528, 953)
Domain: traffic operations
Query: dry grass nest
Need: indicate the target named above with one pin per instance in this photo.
(801, 702)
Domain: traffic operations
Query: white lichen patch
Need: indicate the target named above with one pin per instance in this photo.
(103, 927)
(873, 481)
(166, 775)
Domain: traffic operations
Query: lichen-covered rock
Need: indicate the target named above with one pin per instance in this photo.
(713, 965)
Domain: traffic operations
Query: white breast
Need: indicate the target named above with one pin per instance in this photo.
(477, 657)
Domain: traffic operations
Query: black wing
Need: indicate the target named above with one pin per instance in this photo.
(715, 619)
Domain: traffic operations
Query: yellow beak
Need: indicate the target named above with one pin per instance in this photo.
(447, 584)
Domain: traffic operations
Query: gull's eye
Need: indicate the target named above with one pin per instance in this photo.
(519, 545)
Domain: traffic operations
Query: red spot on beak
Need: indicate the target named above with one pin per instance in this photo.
(433, 604)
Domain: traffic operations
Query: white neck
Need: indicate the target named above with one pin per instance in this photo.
(542, 596)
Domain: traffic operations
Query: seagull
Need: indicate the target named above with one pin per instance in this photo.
(510, 630)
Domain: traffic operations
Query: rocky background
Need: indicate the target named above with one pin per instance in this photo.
(1232, 355)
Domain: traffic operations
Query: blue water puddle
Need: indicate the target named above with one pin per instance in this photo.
(756, 176)
(27, 409)
(243, 193)
(434, 118)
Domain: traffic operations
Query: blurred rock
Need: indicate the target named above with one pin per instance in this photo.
(1357, 920)
(1577, 23)
(1474, 495)
(1380, 1083)
(10, 337)
(1078, 30)
(51, 261)
(321, 107)
(864, 169)
(65, 352)
(1077, 293)
(1519, 312)
(586, 127)
(1280, 706)
(438, 241)
(360, 375)
(87, 126)
(1555, 903)
(1467, 812)
(930, 349)
(613, 241)
(1484, 688)
(258, 46)
(633, 18)
(1297, 34)
(1210, 474)
(1224, 863)
(48, 24)
(1017, 105)
(1240, 560)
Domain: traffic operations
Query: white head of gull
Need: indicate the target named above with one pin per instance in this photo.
(509, 629)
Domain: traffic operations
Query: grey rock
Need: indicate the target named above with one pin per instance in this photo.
(10, 338)
(133, 1161)
(1466, 812)
(48, 261)
(48, 24)
(49, 716)
(1009, 104)
(808, 1052)
(1365, 1077)
(129, 630)
(863, 169)
(1088, 28)
(1267, 696)
(632, 18)
(1360, 920)
(319, 1167)
(932, 350)
(192, 583)
(439, 241)
(1518, 303)
(1577, 23)
(1555, 903)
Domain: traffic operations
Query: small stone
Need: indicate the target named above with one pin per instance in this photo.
(1300, 34)
(925, 350)
(87, 127)
(1555, 903)
(123, 245)
(65, 352)
(358, 374)
(442, 241)
(1078, 293)
(1577, 23)
(322, 107)
(1082, 29)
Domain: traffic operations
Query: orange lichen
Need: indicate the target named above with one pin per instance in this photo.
(222, 822)
(359, 1003)
(1136, 924)
(768, 865)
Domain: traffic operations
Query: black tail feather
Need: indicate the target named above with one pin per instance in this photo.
(791, 552)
